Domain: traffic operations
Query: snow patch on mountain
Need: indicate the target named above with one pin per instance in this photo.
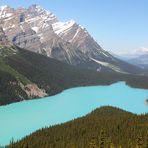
(36, 29)
(4, 13)
(111, 66)
(2, 8)
(62, 27)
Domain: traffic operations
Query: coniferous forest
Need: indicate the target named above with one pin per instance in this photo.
(106, 127)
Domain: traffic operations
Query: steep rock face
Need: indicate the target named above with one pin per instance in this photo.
(85, 46)
(3, 38)
(28, 39)
(40, 31)
(32, 90)
(78, 36)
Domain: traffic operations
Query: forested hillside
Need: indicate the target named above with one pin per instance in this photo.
(106, 127)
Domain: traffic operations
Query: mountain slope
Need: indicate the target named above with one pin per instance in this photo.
(15, 86)
(89, 54)
(38, 30)
(104, 127)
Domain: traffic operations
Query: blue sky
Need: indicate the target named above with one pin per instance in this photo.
(117, 25)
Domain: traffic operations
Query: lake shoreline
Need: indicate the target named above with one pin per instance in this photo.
(66, 106)
(132, 86)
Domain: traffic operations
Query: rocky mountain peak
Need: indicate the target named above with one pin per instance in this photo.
(3, 7)
(6, 11)
(36, 10)
(35, 7)
(71, 23)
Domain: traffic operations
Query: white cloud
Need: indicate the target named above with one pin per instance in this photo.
(132, 52)
(141, 50)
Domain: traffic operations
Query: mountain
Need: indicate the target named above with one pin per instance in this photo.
(131, 54)
(105, 127)
(40, 31)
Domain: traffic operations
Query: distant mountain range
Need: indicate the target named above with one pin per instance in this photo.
(40, 31)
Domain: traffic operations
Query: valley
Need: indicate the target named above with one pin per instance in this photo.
(61, 88)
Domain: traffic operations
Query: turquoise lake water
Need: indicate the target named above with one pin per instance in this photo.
(20, 119)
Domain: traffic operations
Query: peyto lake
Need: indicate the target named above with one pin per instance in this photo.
(20, 119)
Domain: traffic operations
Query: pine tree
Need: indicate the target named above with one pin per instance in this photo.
(111, 145)
(93, 143)
(140, 142)
(102, 141)
(146, 145)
